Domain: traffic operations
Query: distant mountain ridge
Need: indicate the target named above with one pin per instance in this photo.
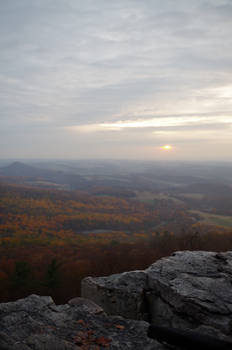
(19, 169)
(73, 175)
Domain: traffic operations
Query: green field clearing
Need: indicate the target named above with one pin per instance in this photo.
(149, 197)
(213, 219)
(198, 196)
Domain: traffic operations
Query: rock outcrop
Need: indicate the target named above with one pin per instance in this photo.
(37, 323)
(188, 290)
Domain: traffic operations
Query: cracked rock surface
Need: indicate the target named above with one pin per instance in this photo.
(188, 290)
(37, 323)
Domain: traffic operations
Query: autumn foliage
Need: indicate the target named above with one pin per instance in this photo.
(50, 240)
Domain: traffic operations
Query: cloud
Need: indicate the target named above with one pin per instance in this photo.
(156, 123)
(105, 66)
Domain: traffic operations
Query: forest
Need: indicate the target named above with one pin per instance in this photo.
(50, 239)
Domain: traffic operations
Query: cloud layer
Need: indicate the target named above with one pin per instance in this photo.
(116, 79)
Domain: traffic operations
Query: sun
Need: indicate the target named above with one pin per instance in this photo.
(166, 147)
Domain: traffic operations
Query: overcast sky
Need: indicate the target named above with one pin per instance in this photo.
(116, 79)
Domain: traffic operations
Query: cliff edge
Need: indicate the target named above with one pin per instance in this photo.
(37, 323)
(186, 291)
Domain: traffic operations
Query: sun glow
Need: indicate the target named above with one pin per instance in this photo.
(166, 147)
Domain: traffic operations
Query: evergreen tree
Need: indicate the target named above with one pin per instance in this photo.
(52, 275)
(22, 274)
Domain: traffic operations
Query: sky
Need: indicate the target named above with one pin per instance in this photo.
(116, 79)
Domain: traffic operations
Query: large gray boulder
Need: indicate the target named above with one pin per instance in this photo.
(37, 323)
(190, 290)
(119, 294)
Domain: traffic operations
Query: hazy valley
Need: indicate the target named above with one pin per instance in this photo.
(63, 220)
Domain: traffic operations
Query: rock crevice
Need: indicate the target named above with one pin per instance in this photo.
(36, 323)
(186, 290)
